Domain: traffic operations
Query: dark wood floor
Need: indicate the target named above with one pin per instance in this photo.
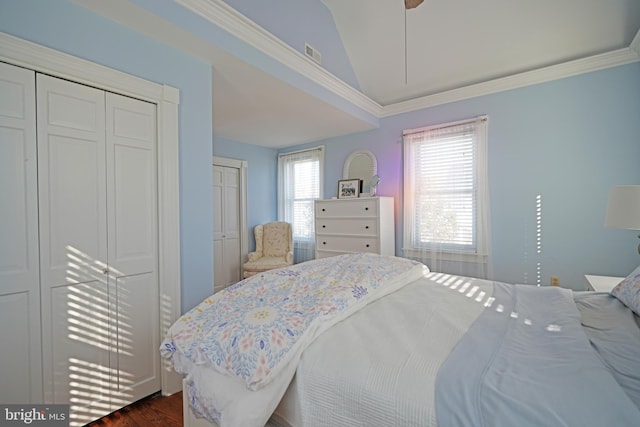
(153, 411)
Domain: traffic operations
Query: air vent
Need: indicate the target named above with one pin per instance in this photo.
(312, 53)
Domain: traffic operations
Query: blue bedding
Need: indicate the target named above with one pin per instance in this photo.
(614, 332)
(527, 361)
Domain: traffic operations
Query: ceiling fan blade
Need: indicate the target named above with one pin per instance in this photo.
(410, 4)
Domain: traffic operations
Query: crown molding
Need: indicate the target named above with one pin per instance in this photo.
(43, 59)
(541, 75)
(238, 25)
(228, 19)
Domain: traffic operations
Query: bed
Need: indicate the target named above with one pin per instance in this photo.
(370, 340)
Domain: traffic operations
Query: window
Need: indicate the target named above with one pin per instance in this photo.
(299, 184)
(445, 194)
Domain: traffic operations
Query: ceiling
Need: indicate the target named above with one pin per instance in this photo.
(454, 49)
(454, 43)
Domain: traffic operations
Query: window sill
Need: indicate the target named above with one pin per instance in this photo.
(449, 255)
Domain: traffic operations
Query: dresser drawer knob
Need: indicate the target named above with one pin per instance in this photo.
(366, 209)
(323, 209)
(324, 243)
(324, 226)
(367, 245)
(366, 227)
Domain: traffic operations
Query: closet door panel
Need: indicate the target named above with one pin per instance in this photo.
(76, 309)
(71, 152)
(226, 226)
(21, 367)
(16, 371)
(132, 207)
(131, 172)
(80, 319)
(74, 180)
(137, 358)
(232, 262)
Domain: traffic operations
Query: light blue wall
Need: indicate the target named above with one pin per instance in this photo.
(568, 141)
(64, 26)
(261, 180)
(300, 21)
(198, 26)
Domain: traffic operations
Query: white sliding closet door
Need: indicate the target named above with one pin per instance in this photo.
(21, 366)
(98, 231)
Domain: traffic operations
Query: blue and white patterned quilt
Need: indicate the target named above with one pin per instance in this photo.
(252, 330)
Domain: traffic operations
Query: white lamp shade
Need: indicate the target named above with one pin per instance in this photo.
(623, 210)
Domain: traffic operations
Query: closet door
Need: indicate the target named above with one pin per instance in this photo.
(77, 314)
(132, 248)
(226, 226)
(20, 369)
(98, 221)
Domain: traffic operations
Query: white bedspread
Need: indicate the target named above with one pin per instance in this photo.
(390, 381)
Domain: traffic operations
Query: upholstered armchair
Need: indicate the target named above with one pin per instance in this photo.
(274, 248)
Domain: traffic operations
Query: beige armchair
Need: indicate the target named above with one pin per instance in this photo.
(274, 248)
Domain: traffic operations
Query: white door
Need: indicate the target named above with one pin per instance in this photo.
(226, 226)
(132, 248)
(77, 317)
(97, 191)
(21, 367)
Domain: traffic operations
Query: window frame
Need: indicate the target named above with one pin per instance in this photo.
(477, 251)
(299, 242)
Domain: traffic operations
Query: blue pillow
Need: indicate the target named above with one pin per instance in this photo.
(628, 291)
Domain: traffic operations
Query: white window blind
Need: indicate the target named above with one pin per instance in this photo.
(445, 192)
(299, 184)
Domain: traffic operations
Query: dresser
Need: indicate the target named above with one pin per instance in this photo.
(364, 224)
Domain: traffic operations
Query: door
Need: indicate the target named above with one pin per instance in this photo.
(21, 367)
(77, 317)
(132, 249)
(226, 226)
(97, 192)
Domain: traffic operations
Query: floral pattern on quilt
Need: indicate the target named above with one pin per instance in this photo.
(252, 329)
(628, 291)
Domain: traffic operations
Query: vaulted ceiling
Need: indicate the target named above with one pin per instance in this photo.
(441, 51)
(455, 43)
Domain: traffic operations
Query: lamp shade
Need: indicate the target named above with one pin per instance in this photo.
(623, 210)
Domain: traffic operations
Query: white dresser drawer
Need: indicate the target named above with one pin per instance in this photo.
(345, 208)
(354, 225)
(347, 244)
(359, 226)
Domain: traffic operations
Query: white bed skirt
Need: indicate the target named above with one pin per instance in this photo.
(190, 420)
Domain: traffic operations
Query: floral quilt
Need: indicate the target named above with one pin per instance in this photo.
(253, 329)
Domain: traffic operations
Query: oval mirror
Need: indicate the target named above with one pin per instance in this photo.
(361, 164)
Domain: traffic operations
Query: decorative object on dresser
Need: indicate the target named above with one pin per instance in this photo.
(274, 248)
(375, 180)
(361, 164)
(623, 210)
(349, 188)
(344, 226)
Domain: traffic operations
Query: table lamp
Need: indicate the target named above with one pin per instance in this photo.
(623, 210)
